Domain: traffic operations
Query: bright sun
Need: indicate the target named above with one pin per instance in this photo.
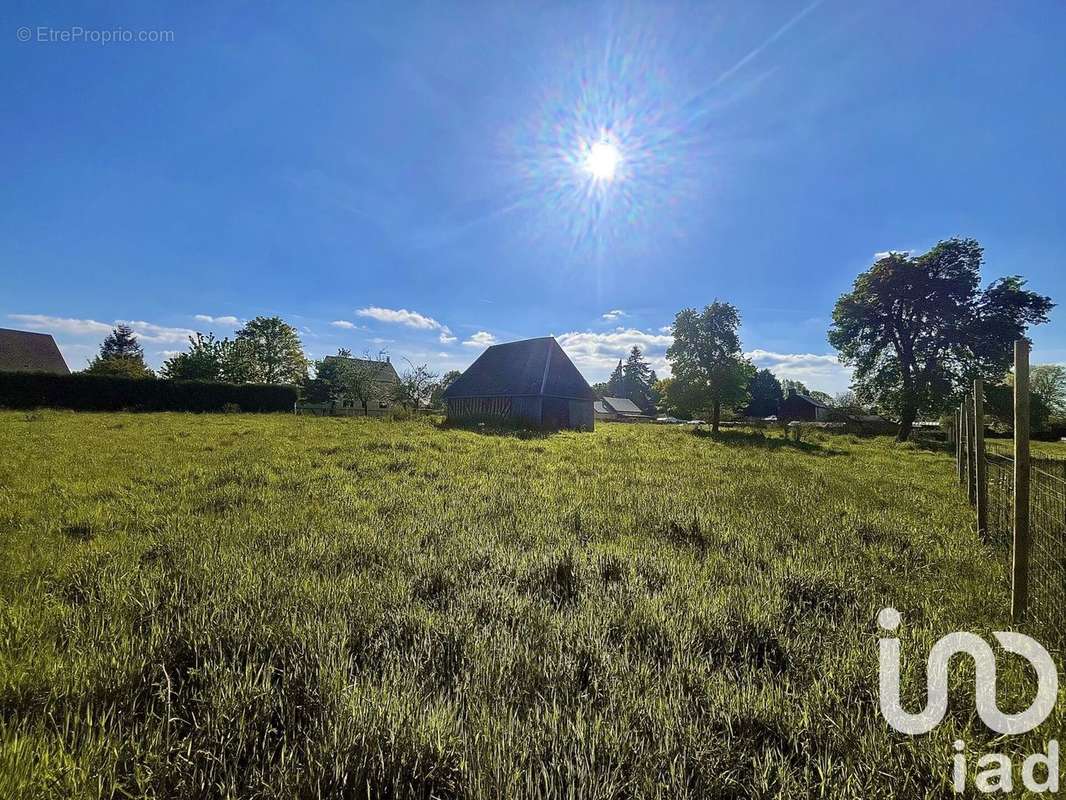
(602, 159)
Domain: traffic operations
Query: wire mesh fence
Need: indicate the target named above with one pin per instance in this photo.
(1047, 528)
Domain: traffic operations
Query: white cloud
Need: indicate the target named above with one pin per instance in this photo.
(226, 320)
(74, 327)
(481, 339)
(169, 353)
(401, 316)
(148, 331)
(613, 314)
(599, 352)
(343, 323)
(667, 329)
(151, 332)
(446, 337)
(823, 372)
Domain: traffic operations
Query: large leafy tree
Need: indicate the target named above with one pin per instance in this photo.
(766, 394)
(918, 329)
(202, 361)
(706, 357)
(268, 350)
(120, 354)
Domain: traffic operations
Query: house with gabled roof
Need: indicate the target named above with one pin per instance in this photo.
(620, 409)
(24, 351)
(531, 382)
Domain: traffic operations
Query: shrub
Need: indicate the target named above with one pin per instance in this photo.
(85, 392)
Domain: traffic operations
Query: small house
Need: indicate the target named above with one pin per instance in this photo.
(531, 382)
(801, 408)
(619, 409)
(23, 351)
(383, 380)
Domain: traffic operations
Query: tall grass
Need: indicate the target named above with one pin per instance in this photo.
(228, 606)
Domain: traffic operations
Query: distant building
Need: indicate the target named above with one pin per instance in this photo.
(386, 382)
(23, 351)
(619, 409)
(531, 382)
(801, 408)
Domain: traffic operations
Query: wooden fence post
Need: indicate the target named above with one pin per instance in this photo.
(979, 455)
(960, 438)
(968, 429)
(1020, 566)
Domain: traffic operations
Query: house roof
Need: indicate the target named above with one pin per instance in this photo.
(386, 373)
(807, 399)
(531, 367)
(599, 408)
(622, 405)
(22, 351)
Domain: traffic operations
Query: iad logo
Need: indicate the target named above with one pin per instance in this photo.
(999, 775)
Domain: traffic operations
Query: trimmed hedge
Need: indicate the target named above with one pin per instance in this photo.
(83, 392)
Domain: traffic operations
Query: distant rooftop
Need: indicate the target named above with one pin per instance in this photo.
(24, 351)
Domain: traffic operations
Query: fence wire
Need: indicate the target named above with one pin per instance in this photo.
(1047, 527)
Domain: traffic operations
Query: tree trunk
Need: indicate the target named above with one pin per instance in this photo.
(906, 422)
(716, 415)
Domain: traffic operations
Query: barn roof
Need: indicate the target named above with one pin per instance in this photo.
(531, 367)
(623, 405)
(22, 351)
(385, 372)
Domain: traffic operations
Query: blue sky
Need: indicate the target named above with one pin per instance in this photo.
(412, 177)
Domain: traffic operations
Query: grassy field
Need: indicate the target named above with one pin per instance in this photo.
(277, 606)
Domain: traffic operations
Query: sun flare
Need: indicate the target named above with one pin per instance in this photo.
(602, 159)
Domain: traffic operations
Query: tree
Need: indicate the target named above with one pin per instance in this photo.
(415, 387)
(600, 390)
(1048, 382)
(120, 354)
(917, 330)
(682, 399)
(202, 361)
(638, 381)
(436, 396)
(268, 350)
(706, 356)
(766, 394)
(616, 384)
(788, 386)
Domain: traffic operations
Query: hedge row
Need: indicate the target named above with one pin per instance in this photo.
(113, 393)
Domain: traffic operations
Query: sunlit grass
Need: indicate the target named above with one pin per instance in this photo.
(277, 606)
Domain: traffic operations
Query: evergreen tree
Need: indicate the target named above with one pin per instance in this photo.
(120, 354)
(616, 384)
(638, 380)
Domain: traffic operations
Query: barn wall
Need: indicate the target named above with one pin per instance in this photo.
(526, 410)
(582, 417)
(465, 408)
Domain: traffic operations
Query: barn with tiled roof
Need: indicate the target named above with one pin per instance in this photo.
(532, 382)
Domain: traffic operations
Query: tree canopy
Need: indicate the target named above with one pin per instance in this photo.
(765, 393)
(918, 329)
(120, 354)
(268, 350)
(706, 357)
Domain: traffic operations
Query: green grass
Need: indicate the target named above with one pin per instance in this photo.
(277, 606)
